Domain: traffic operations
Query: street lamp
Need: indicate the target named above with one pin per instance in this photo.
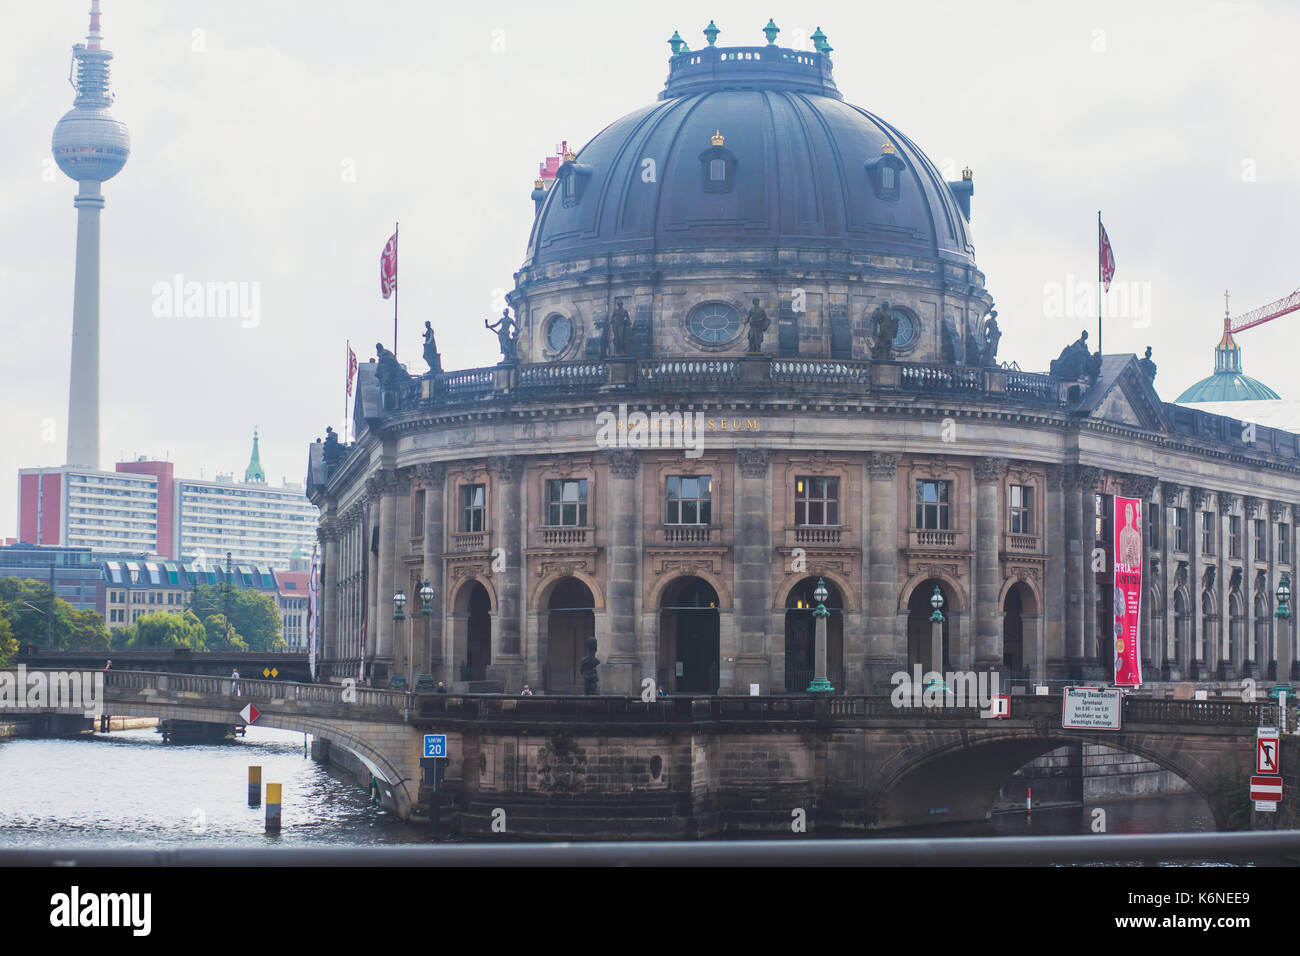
(820, 685)
(1283, 614)
(399, 602)
(936, 634)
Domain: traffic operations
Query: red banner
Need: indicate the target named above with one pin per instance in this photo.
(1105, 257)
(1128, 590)
(388, 267)
(352, 370)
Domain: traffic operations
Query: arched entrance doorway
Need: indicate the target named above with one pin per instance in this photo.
(689, 652)
(478, 635)
(570, 620)
(920, 629)
(800, 637)
(1016, 630)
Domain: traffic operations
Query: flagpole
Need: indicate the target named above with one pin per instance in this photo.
(347, 380)
(1099, 352)
(395, 225)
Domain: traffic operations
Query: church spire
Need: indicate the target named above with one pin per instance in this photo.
(254, 470)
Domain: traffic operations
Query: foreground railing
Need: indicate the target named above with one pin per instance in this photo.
(1147, 848)
(362, 698)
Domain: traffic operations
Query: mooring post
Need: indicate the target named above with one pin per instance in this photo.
(254, 786)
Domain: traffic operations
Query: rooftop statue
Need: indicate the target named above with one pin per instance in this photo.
(507, 331)
(758, 322)
(1074, 362)
(431, 355)
(391, 372)
(991, 336)
(619, 323)
(884, 328)
(1147, 366)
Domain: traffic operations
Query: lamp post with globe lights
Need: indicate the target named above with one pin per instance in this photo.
(1282, 689)
(820, 684)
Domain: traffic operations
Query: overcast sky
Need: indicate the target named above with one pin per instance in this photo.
(275, 143)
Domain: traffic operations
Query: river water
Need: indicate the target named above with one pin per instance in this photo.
(128, 788)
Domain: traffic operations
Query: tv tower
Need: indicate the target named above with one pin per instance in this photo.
(90, 146)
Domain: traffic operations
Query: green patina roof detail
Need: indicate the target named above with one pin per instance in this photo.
(1227, 387)
(254, 470)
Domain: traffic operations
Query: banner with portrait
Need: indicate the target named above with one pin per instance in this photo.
(1128, 591)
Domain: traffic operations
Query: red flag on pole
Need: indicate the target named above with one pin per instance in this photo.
(1105, 256)
(352, 369)
(388, 267)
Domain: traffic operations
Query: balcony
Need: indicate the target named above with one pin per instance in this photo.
(1022, 543)
(818, 534)
(676, 534)
(565, 537)
(935, 539)
(466, 541)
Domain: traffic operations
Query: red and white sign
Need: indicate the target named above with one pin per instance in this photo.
(1266, 754)
(999, 706)
(1127, 590)
(1266, 788)
(250, 714)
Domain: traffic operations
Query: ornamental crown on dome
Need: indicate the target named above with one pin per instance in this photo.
(887, 149)
(569, 155)
(717, 138)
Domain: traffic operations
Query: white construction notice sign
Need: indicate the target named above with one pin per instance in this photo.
(1091, 708)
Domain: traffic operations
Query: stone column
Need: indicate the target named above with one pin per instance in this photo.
(1197, 651)
(1073, 576)
(368, 643)
(1225, 505)
(988, 565)
(751, 573)
(886, 647)
(327, 605)
(1171, 666)
(1055, 547)
(507, 663)
(432, 655)
(621, 667)
(391, 547)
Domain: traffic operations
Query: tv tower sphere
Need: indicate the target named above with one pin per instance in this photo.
(89, 144)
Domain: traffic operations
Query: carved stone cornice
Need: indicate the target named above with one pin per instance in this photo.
(1252, 506)
(431, 473)
(1138, 486)
(623, 464)
(507, 468)
(1226, 501)
(1083, 477)
(1198, 497)
(1277, 510)
(883, 464)
(753, 462)
(990, 469)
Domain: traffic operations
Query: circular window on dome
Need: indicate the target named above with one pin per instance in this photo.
(559, 333)
(909, 329)
(713, 323)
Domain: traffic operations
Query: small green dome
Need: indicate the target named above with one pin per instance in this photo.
(1228, 383)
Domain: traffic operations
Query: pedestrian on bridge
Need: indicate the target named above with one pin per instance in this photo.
(234, 683)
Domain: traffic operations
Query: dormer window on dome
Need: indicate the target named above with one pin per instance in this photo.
(885, 172)
(718, 166)
(573, 177)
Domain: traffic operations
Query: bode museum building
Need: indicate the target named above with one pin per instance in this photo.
(750, 349)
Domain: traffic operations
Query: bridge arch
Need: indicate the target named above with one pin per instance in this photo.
(960, 778)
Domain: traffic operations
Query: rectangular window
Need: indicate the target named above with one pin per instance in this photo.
(1284, 543)
(1021, 509)
(816, 501)
(717, 170)
(566, 502)
(688, 499)
(1234, 536)
(472, 507)
(1153, 527)
(1261, 545)
(1180, 530)
(1207, 532)
(932, 503)
(417, 515)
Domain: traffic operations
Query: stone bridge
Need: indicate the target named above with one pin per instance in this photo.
(613, 767)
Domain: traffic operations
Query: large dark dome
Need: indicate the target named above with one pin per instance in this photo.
(807, 170)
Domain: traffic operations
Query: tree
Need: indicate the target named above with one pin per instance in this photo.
(8, 646)
(26, 604)
(163, 629)
(253, 615)
(88, 630)
(214, 625)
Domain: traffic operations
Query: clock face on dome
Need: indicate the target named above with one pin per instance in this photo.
(906, 329)
(559, 333)
(714, 323)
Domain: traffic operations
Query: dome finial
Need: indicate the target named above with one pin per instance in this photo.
(711, 33)
(717, 138)
(569, 155)
(819, 41)
(771, 30)
(887, 149)
(1225, 308)
(967, 173)
(675, 41)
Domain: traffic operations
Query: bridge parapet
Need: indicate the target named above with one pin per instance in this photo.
(362, 702)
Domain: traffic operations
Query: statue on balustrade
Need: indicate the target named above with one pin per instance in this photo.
(619, 323)
(884, 329)
(1075, 361)
(507, 330)
(990, 335)
(390, 372)
(758, 322)
(431, 350)
(333, 452)
(590, 679)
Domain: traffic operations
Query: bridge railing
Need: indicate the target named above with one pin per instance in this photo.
(361, 698)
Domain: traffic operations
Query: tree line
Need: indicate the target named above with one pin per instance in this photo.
(31, 614)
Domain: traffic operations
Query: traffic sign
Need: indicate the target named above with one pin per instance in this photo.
(1265, 788)
(435, 745)
(1267, 751)
(999, 706)
(250, 714)
(1265, 806)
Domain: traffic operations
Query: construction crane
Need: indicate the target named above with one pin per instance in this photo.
(1265, 313)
